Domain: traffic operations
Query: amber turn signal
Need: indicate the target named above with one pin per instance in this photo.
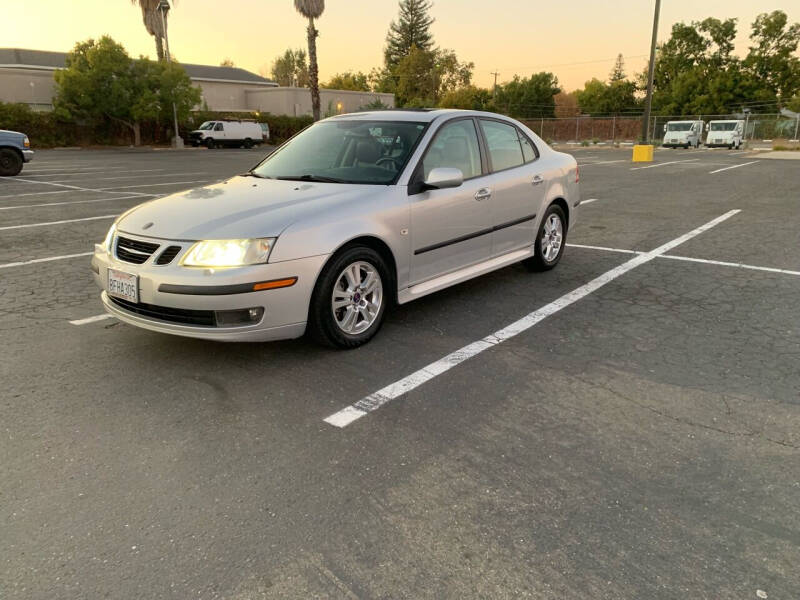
(275, 283)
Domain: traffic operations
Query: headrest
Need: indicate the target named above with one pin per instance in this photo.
(368, 151)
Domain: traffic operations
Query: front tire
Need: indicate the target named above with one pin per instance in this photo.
(10, 162)
(209, 143)
(350, 298)
(550, 240)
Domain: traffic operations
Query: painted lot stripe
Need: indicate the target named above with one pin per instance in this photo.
(602, 162)
(377, 399)
(752, 162)
(124, 187)
(91, 172)
(73, 187)
(603, 248)
(731, 264)
(664, 164)
(35, 194)
(45, 204)
(56, 222)
(705, 261)
(41, 260)
(94, 319)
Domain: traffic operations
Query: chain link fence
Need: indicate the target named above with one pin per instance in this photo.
(627, 129)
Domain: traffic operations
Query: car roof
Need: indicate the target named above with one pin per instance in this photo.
(419, 115)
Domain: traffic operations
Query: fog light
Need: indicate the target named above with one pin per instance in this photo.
(243, 316)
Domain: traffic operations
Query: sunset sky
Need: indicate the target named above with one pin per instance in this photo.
(576, 40)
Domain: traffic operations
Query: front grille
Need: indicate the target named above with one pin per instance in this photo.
(134, 251)
(202, 318)
(167, 255)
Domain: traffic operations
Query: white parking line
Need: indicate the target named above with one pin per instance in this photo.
(664, 164)
(752, 162)
(377, 399)
(94, 172)
(125, 187)
(74, 187)
(94, 319)
(731, 264)
(41, 260)
(602, 162)
(603, 248)
(56, 222)
(35, 194)
(45, 204)
(692, 259)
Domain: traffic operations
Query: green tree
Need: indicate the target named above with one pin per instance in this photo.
(227, 62)
(618, 72)
(423, 76)
(291, 68)
(593, 98)
(101, 82)
(772, 56)
(467, 97)
(412, 29)
(312, 9)
(528, 96)
(348, 81)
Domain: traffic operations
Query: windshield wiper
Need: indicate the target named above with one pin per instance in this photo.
(318, 178)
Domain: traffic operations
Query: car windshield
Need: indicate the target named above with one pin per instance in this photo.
(207, 125)
(722, 126)
(345, 151)
(679, 126)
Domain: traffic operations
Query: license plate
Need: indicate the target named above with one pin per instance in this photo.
(717, 141)
(123, 285)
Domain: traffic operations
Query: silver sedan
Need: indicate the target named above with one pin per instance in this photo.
(352, 215)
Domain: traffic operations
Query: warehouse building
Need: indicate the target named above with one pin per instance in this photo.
(26, 76)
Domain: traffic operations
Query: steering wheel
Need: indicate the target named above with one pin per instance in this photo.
(388, 159)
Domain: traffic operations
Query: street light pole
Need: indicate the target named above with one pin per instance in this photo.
(163, 8)
(649, 100)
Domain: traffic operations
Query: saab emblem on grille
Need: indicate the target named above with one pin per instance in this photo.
(147, 225)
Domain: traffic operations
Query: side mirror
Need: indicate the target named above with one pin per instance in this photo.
(665, 127)
(707, 126)
(444, 177)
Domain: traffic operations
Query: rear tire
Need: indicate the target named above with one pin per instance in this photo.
(10, 162)
(350, 298)
(209, 143)
(551, 240)
(248, 143)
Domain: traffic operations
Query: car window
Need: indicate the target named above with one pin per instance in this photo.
(455, 146)
(218, 127)
(528, 149)
(345, 151)
(503, 144)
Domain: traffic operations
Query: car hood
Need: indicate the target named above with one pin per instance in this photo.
(240, 207)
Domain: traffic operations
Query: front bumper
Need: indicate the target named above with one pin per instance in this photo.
(285, 309)
(27, 156)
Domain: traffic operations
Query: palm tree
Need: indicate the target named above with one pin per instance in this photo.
(312, 9)
(153, 23)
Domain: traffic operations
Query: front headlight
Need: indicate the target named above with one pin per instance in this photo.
(110, 237)
(228, 253)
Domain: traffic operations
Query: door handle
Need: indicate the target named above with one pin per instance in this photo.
(537, 179)
(483, 194)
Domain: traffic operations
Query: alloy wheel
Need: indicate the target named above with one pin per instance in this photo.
(357, 298)
(552, 237)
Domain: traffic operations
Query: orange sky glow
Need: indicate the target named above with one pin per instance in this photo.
(575, 40)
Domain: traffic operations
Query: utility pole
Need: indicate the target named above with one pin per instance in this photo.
(494, 89)
(649, 100)
(163, 8)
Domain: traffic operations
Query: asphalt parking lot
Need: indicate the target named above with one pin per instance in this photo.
(637, 437)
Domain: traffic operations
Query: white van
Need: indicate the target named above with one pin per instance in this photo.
(683, 133)
(728, 134)
(214, 134)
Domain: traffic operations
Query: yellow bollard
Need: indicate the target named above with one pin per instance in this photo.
(642, 153)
